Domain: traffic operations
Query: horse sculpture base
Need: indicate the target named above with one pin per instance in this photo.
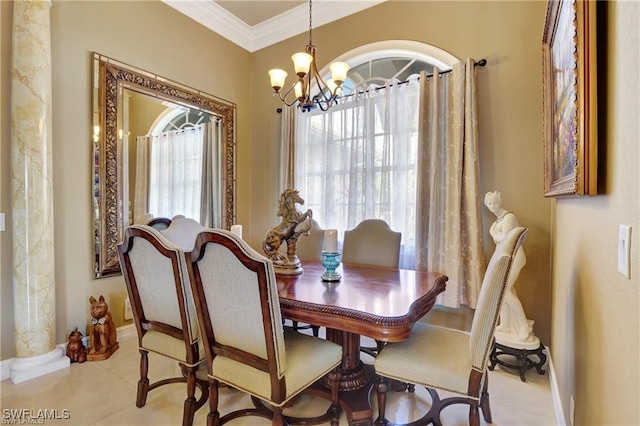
(288, 268)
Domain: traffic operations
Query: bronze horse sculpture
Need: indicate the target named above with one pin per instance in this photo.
(287, 231)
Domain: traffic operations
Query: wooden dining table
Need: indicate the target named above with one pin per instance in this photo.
(380, 303)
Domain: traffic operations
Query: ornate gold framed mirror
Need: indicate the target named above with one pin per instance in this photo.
(133, 111)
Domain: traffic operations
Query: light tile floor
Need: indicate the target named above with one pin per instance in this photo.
(104, 393)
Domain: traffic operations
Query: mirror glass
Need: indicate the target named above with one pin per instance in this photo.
(160, 149)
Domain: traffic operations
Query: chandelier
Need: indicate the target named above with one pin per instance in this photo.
(306, 69)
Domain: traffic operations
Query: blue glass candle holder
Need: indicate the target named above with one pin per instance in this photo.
(330, 261)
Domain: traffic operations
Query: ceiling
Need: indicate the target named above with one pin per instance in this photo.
(255, 24)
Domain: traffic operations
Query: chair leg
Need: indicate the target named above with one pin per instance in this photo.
(382, 387)
(143, 383)
(278, 419)
(213, 418)
(316, 330)
(189, 410)
(484, 401)
(334, 378)
(474, 416)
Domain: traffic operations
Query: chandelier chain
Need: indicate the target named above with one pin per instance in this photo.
(310, 32)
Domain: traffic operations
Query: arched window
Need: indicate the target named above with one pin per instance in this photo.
(390, 60)
(357, 160)
(177, 117)
(179, 150)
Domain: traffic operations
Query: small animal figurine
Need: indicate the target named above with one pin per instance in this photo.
(103, 336)
(75, 348)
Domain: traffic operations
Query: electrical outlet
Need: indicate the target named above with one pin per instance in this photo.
(572, 411)
(624, 250)
(2, 224)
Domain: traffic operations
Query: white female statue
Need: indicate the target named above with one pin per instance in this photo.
(515, 330)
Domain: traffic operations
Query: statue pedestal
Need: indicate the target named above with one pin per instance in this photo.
(517, 358)
(294, 268)
(104, 355)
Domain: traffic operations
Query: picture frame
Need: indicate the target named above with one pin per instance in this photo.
(570, 98)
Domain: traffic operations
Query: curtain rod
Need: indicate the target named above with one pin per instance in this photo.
(481, 63)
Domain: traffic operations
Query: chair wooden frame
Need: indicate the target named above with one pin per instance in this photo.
(213, 348)
(143, 325)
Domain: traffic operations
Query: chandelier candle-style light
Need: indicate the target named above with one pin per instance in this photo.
(305, 67)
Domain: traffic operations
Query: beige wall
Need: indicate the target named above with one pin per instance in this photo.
(148, 35)
(508, 35)
(595, 336)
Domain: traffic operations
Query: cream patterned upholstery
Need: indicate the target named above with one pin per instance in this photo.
(182, 232)
(241, 326)
(372, 242)
(309, 247)
(157, 280)
(451, 360)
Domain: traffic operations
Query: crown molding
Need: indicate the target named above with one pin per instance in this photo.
(216, 18)
(271, 31)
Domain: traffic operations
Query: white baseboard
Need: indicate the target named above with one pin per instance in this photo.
(555, 393)
(124, 333)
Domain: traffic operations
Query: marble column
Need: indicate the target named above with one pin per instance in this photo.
(32, 194)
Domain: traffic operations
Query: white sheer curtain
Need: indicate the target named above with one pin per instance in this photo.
(141, 187)
(175, 174)
(178, 172)
(449, 227)
(358, 161)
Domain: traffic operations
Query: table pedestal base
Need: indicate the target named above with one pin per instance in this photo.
(351, 380)
(356, 403)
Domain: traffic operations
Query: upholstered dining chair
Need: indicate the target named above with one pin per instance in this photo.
(162, 223)
(159, 223)
(157, 281)
(439, 358)
(238, 309)
(182, 232)
(309, 248)
(372, 242)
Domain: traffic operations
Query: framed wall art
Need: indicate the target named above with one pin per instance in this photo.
(569, 98)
